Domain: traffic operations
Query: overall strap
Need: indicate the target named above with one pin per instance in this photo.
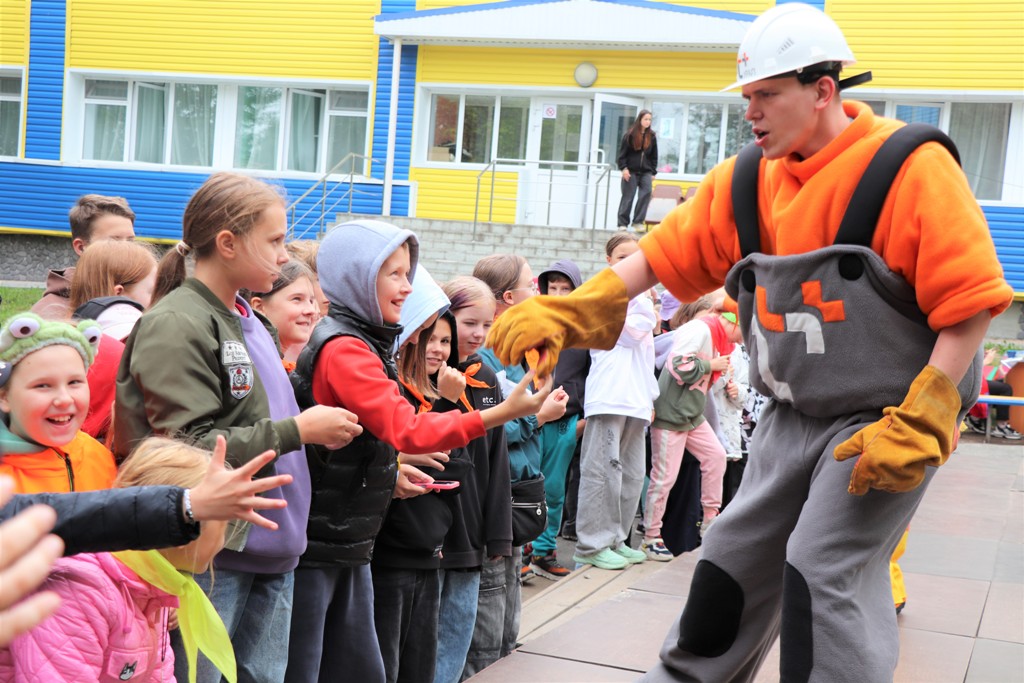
(744, 198)
(861, 218)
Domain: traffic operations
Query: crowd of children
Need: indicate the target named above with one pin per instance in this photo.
(399, 465)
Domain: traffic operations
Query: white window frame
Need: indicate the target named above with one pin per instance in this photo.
(20, 98)
(423, 134)
(224, 128)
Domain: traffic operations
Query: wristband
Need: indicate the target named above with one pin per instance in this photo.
(186, 500)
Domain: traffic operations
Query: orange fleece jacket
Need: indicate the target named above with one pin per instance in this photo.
(931, 229)
(85, 461)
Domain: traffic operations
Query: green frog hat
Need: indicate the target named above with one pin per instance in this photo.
(24, 333)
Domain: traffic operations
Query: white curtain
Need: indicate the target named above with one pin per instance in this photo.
(347, 134)
(703, 131)
(10, 124)
(257, 127)
(980, 132)
(104, 132)
(304, 132)
(150, 122)
(195, 113)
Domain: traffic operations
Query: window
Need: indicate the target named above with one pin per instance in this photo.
(981, 131)
(476, 125)
(267, 127)
(10, 113)
(106, 115)
(694, 136)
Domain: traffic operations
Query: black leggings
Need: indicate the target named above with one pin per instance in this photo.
(997, 388)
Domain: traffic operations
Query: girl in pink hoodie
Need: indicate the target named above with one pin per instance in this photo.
(117, 608)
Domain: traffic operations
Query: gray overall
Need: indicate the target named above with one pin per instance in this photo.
(834, 337)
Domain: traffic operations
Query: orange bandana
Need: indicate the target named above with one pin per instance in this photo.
(470, 373)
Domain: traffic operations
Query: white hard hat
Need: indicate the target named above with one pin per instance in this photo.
(788, 38)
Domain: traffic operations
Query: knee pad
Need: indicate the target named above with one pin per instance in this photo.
(711, 618)
(797, 654)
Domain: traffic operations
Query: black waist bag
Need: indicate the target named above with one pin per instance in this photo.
(529, 510)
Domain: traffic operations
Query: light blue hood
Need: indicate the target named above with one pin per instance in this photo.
(349, 259)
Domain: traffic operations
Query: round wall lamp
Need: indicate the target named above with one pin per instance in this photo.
(585, 74)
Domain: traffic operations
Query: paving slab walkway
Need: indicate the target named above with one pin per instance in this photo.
(964, 570)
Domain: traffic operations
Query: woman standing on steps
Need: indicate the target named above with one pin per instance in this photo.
(638, 161)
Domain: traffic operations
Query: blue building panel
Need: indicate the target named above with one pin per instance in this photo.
(37, 197)
(45, 80)
(382, 109)
(1007, 226)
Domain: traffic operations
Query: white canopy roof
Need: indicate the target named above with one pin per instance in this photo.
(559, 24)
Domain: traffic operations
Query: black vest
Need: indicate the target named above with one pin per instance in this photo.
(352, 486)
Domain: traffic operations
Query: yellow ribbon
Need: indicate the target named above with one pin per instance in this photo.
(201, 626)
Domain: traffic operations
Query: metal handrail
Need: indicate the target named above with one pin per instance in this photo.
(491, 167)
(322, 183)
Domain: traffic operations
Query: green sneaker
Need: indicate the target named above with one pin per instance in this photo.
(606, 559)
(632, 555)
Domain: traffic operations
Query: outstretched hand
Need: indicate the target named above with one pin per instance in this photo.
(27, 552)
(225, 494)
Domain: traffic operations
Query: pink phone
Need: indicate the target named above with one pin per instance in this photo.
(440, 485)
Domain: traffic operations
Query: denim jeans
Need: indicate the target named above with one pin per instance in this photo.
(333, 634)
(257, 611)
(497, 615)
(460, 592)
(405, 604)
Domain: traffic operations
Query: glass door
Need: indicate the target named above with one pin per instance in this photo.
(613, 115)
(553, 186)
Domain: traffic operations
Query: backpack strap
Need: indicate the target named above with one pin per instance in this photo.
(744, 198)
(92, 308)
(861, 217)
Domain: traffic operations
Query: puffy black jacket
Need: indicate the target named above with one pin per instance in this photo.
(137, 518)
(352, 486)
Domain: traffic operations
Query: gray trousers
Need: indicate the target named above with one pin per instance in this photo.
(795, 554)
(611, 481)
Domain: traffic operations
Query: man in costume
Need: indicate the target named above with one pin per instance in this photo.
(863, 314)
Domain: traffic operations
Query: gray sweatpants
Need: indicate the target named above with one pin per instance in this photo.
(611, 481)
(795, 553)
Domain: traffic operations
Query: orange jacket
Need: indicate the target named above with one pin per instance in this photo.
(931, 229)
(83, 465)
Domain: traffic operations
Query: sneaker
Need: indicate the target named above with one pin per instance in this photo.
(899, 607)
(1007, 432)
(656, 550)
(525, 574)
(606, 559)
(632, 555)
(975, 424)
(548, 567)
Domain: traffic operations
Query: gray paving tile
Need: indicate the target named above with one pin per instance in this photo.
(944, 604)
(956, 556)
(1003, 618)
(928, 657)
(673, 579)
(626, 631)
(995, 661)
(520, 667)
(1013, 532)
(1009, 564)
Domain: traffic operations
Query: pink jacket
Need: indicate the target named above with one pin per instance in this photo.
(111, 626)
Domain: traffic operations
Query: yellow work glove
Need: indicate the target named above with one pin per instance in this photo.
(895, 450)
(591, 317)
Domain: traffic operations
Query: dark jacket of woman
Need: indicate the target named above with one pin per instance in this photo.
(639, 160)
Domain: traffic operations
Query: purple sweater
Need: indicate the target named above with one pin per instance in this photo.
(274, 552)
